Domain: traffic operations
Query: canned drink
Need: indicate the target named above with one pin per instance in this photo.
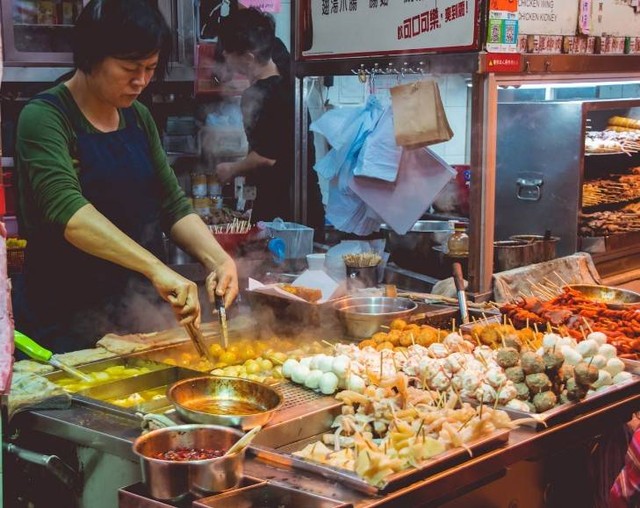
(199, 185)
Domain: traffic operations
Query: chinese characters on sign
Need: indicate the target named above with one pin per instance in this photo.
(430, 20)
(391, 26)
(263, 5)
(336, 6)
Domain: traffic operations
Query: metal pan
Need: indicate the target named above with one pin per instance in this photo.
(611, 296)
(226, 401)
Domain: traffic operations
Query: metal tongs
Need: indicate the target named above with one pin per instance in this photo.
(197, 338)
(462, 297)
(222, 316)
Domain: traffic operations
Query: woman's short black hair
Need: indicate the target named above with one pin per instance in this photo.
(249, 31)
(127, 29)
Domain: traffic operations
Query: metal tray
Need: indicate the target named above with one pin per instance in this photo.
(283, 457)
(268, 495)
(125, 387)
(565, 412)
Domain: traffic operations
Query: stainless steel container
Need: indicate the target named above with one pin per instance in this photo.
(170, 480)
(362, 316)
(543, 250)
(509, 254)
(414, 249)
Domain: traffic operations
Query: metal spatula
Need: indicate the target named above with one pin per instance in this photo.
(36, 352)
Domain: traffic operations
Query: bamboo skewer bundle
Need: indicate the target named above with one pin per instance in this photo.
(362, 260)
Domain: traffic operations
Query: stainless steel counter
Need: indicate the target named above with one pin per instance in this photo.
(112, 433)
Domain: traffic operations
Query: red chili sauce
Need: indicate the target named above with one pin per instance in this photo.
(187, 454)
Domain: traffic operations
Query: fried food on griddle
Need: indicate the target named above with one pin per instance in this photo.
(309, 294)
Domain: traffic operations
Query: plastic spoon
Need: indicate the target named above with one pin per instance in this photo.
(244, 441)
(35, 351)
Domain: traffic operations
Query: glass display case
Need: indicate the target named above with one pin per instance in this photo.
(37, 32)
(582, 183)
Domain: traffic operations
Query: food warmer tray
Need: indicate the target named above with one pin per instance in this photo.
(282, 456)
(565, 412)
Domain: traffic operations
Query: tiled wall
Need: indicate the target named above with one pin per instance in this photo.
(454, 90)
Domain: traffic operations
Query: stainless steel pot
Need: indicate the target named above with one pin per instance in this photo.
(170, 480)
(413, 250)
(362, 316)
(543, 250)
(509, 254)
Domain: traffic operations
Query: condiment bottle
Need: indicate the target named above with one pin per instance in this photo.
(198, 185)
(202, 206)
(458, 242)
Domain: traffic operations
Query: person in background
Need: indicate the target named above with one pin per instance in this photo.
(625, 492)
(247, 38)
(96, 192)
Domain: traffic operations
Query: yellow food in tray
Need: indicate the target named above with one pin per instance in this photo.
(136, 399)
(258, 369)
(402, 334)
(275, 350)
(107, 375)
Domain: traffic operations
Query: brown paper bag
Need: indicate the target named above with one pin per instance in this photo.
(418, 115)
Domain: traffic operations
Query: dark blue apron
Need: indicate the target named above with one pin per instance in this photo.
(74, 298)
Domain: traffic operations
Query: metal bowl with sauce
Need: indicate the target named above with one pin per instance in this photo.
(170, 480)
(224, 401)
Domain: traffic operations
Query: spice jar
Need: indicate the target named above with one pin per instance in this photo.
(458, 242)
(198, 185)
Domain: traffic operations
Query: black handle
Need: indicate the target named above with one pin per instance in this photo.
(458, 279)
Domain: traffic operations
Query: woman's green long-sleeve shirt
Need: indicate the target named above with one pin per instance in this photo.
(49, 189)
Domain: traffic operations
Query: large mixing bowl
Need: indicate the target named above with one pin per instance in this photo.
(224, 401)
(362, 316)
(170, 480)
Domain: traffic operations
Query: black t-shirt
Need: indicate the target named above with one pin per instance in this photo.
(267, 112)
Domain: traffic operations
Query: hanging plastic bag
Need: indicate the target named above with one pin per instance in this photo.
(418, 115)
(380, 155)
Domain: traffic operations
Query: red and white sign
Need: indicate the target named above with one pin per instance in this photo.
(263, 5)
(504, 62)
(344, 28)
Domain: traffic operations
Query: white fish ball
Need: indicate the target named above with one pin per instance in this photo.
(587, 347)
(604, 379)
(340, 365)
(608, 351)
(288, 366)
(325, 364)
(313, 379)
(598, 361)
(549, 340)
(614, 366)
(306, 361)
(355, 383)
(328, 383)
(621, 377)
(299, 374)
(571, 356)
(599, 337)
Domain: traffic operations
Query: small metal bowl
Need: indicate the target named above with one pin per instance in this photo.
(610, 296)
(226, 391)
(169, 480)
(362, 316)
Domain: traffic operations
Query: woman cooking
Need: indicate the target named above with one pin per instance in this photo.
(96, 192)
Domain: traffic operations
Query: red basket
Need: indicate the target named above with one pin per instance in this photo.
(15, 260)
(231, 241)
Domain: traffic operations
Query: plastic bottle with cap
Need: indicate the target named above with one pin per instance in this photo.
(458, 242)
